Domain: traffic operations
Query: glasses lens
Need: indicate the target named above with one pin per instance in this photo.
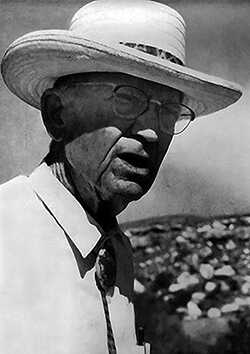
(175, 118)
(129, 102)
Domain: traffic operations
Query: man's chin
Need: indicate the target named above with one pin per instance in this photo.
(132, 190)
(119, 193)
(128, 190)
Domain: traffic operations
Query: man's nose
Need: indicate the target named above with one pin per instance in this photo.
(148, 134)
(146, 125)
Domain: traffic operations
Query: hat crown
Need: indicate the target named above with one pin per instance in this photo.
(134, 23)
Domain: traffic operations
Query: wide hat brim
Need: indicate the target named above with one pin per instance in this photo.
(34, 61)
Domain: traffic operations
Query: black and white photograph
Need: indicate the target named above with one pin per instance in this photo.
(125, 177)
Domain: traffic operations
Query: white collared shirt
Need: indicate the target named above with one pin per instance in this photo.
(45, 306)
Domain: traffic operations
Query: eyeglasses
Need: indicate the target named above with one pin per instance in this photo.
(129, 103)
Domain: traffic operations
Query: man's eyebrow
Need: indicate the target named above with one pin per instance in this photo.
(66, 81)
(72, 78)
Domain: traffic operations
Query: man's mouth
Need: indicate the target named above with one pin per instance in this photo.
(135, 160)
(135, 168)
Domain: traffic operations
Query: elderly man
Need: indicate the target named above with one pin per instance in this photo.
(113, 91)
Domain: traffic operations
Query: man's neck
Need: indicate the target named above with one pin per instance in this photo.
(58, 170)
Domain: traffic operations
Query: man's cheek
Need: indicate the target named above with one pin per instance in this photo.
(89, 151)
(81, 159)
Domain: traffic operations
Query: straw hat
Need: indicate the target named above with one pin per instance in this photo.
(142, 38)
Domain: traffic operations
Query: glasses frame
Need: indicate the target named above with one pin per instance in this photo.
(148, 100)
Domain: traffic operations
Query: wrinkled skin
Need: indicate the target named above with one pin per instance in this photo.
(113, 161)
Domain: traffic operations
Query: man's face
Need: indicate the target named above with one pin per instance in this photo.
(115, 156)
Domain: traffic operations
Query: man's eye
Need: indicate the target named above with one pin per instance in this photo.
(125, 104)
(125, 98)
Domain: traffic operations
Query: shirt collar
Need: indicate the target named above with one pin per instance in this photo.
(65, 208)
(73, 219)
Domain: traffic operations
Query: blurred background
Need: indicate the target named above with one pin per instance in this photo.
(207, 169)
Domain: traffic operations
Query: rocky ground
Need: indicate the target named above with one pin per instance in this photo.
(193, 289)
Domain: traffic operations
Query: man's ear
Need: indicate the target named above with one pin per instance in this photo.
(51, 109)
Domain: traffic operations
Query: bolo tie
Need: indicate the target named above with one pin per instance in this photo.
(105, 275)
